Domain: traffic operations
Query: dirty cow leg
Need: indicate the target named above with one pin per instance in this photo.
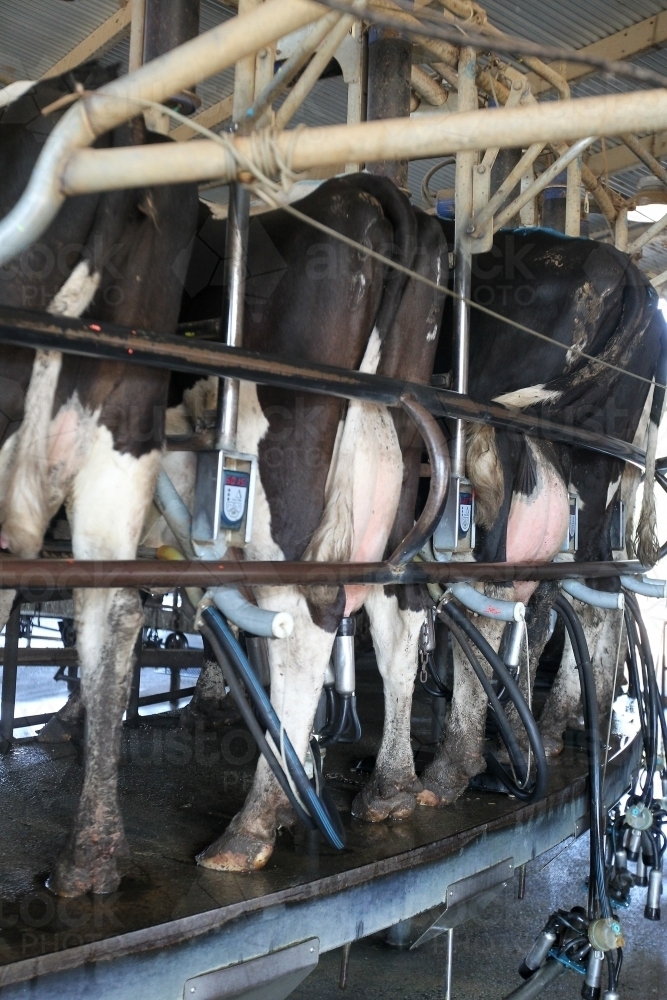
(210, 707)
(67, 723)
(460, 756)
(110, 497)
(563, 704)
(298, 665)
(392, 789)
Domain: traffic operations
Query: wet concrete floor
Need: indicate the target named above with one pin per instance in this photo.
(179, 790)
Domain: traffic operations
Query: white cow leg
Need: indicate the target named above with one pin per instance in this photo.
(108, 622)
(393, 788)
(298, 665)
(563, 702)
(108, 503)
(67, 723)
(460, 756)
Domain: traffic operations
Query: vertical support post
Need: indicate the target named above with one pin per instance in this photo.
(573, 199)
(72, 673)
(521, 894)
(167, 24)
(528, 214)
(9, 672)
(465, 164)
(236, 249)
(132, 717)
(236, 253)
(344, 966)
(450, 959)
(621, 230)
(389, 69)
(136, 57)
(174, 685)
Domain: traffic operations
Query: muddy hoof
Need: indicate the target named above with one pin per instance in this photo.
(79, 872)
(553, 745)
(446, 779)
(212, 715)
(56, 731)
(237, 851)
(386, 799)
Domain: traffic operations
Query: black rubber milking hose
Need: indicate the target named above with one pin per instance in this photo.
(514, 691)
(592, 719)
(649, 841)
(644, 699)
(650, 667)
(506, 730)
(256, 731)
(329, 824)
(634, 676)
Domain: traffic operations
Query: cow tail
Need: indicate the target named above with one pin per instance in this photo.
(646, 539)
(398, 211)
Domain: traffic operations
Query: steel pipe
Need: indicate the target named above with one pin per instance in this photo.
(25, 329)
(35, 576)
(463, 203)
(432, 135)
(292, 65)
(541, 182)
(485, 215)
(648, 235)
(314, 70)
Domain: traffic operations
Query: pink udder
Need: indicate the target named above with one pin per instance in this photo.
(537, 525)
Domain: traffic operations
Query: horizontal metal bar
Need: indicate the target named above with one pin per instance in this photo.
(34, 657)
(25, 329)
(35, 575)
(149, 699)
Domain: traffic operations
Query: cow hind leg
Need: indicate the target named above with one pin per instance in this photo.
(460, 756)
(393, 788)
(298, 665)
(108, 622)
(107, 507)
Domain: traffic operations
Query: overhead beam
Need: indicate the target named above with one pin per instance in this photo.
(623, 44)
(209, 118)
(97, 43)
(621, 158)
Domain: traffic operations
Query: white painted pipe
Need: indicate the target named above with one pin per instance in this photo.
(488, 607)
(648, 235)
(177, 70)
(401, 138)
(542, 181)
(596, 598)
(645, 586)
(257, 621)
(485, 214)
(229, 600)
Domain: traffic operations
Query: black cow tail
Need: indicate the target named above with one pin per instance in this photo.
(646, 539)
(399, 213)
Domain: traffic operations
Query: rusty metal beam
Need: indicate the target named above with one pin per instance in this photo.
(94, 340)
(34, 577)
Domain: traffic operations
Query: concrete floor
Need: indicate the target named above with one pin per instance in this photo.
(489, 948)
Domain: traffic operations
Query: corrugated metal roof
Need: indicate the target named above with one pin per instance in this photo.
(569, 22)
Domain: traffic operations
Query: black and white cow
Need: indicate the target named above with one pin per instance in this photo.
(337, 481)
(88, 434)
(586, 296)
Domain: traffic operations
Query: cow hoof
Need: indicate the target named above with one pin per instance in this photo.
(76, 876)
(553, 745)
(446, 779)
(56, 731)
(388, 797)
(373, 809)
(236, 852)
(212, 715)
